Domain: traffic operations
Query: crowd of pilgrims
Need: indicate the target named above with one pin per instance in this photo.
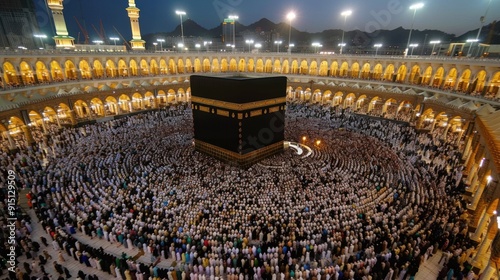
(373, 201)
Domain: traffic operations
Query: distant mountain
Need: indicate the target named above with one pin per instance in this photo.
(396, 38)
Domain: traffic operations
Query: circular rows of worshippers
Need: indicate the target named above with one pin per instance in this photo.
(375, 199)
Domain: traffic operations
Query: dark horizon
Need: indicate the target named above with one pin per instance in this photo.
(313, 17)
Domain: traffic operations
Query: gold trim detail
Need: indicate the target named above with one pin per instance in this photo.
(274, 109)
(223, 113)
(244, 160)
(205, 109)
(255, 113)
(237, 106)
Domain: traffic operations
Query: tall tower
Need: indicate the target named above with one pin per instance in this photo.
(62, 38)
(133, 13)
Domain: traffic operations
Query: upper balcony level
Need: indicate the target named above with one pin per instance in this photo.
(29, 76)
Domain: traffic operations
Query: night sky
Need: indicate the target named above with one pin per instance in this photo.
(453, 16)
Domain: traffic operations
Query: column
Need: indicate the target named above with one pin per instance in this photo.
(28, 135)
(71, 115)
(480, 228)
(477, 196)
(12, 145)
(488, 272)
(446, 131)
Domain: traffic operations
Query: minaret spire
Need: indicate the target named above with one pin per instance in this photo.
(62, 38)
(133, 13)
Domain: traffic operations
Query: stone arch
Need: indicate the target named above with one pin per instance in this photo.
(404, 111)
(15, 125)
(401, 73)
(111, 70)
(323, 68)
(56, 71)
(137, 102)
(98, 69)
(268, 66)
(427, 76)
(415, 75)
(327, 97)
(133, 68)
(224, 65)
(97, 107)
(123, 68)
(163, 67)
(350, 100)
(233, 66)
(124, 103)
(214, 66)
(438, 77)
(42, 73)
(180, 66)
(365, 71)
(259, 67)
(451, 79)
(344, 69)
(149, 100)
(189, 66)
(337, 98)
(355, 70)
(172, 68)
(111, 105)
(197, 65)
(316, 96)
(206, 65)
(480, 82)
(63, 113)
(334, 69)
(285, 68)
(295, 67)
(81, 109)
(26, 73)
(494, 85)
(171, 96)
(241, 65)
(70, 70)
(251, 65)
(144, 67)
(313, 68)
(35, 119)
(361, 102)
(153, 67)
(277, 66)
(10, 75)
(389, 72)
(162, 98)
(303, 67)
(390, 107)
(375, 106)
(377, 72)
(464, 81)
(50, 115)
(85, 70)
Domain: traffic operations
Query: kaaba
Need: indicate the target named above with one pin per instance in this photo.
(238, 119)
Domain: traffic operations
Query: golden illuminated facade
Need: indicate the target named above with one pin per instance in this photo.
(451, 97)
(62, 38)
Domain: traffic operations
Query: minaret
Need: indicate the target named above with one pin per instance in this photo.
(62, 38)
(133, 13)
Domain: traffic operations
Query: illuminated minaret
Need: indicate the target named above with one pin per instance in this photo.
(133, 13)
(62, 38)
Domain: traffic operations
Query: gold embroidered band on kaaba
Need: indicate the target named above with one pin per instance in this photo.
(238, 106)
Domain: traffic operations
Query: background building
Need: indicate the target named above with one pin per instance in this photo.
(18, 24)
